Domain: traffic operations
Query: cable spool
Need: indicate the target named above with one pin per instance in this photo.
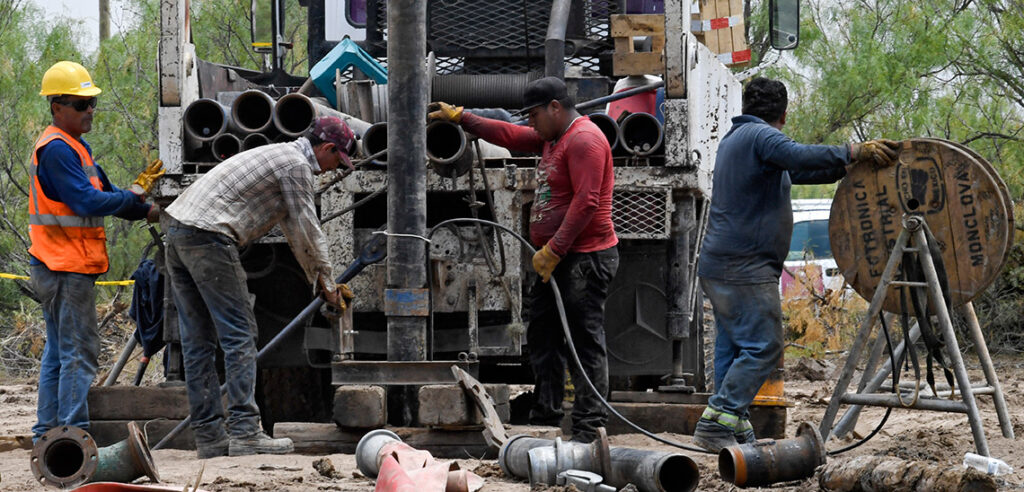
(961, 198)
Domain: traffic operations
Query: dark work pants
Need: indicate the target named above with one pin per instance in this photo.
(583, 280)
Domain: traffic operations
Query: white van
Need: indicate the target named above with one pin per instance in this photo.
(809, 264)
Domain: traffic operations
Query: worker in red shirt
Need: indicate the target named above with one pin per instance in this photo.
(571, 223)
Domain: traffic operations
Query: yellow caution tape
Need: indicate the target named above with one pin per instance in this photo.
(101, 282)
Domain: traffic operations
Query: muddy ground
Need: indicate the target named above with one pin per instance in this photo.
(936, 438)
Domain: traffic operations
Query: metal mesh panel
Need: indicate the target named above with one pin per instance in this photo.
(472, 25)
(641, 213)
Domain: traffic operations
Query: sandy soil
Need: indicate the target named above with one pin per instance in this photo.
(937, 438)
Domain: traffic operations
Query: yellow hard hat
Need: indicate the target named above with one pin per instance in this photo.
(66, 77)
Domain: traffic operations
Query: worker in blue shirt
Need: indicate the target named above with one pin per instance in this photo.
(749, 228)
(69, 194)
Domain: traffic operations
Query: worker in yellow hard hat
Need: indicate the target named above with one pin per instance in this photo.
(69, 194)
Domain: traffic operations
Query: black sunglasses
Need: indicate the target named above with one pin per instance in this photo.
(78, 105)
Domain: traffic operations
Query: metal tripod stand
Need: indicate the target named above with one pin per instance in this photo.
(912, 239)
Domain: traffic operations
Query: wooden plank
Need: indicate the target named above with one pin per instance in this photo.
(624, 45)
(137, 402)
(724, 35)
(637, 25)
(708, 11)
(638, 63)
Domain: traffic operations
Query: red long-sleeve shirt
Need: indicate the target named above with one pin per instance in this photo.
(572, 208)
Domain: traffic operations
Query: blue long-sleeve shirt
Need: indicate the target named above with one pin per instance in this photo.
(62, 178)
(751, 218)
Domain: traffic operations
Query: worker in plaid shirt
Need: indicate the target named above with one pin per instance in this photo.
(237, 202)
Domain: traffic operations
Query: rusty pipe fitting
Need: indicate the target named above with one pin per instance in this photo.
(772, 461)
(67, 457)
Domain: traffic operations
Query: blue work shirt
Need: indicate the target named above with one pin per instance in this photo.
(61, 177)
(751, 218)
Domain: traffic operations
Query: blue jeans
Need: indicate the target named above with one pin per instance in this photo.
(213, 307)
(583, 280)
(72, 346)
(748, 341)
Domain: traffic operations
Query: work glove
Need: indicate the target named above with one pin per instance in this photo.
(881, 152)
(144, 183)
(544, 262)
(444, 112)
(336, 301)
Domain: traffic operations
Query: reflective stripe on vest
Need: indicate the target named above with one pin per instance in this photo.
(62, 240)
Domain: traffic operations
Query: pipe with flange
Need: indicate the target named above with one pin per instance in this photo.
(67, 457)
(294, 114)
(253, 111)
(541, 460)
(374, 251)
(368, 449)
(772, 461)
(225, 146)
(554, 42)
(205, 119)
(253, 140)
(608, 127)
(640, 134)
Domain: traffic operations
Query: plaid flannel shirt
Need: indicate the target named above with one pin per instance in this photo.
(245, 196)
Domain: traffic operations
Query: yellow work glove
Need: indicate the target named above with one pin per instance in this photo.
(881, 152)
(144, 183)
(345, 297)
(544, 262)
(445, 112)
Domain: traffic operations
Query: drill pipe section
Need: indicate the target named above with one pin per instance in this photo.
(294, 114)
(541, 460)
(772, 461)
(447, 150)
(253, 140)
(253, 112)
(608, 127)
(641, 134)
(205, 119)
(375, 139)
(225, 146)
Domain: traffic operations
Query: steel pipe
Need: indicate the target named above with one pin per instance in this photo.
(640, 134)
(375, 139)
(447, 150)
(768, 462)
(253, 140)
(608, 127)
(67, 457)
(205, 119)
(482, 90)
(554, 42)
(652, 471)
(253, 111)
(294, 114)
(513, 456)
(368, 451)
(225, 146)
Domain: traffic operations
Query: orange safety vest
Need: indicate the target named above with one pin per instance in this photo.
(63, 241)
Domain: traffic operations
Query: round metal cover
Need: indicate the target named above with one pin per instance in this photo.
(960, 198)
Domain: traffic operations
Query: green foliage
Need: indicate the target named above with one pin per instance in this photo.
(221, 30)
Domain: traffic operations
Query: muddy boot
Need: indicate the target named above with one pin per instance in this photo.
(206, 450)
(713, 436)
(745, 433)
(259, 443)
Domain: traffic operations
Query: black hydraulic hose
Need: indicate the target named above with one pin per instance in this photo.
(568, 337)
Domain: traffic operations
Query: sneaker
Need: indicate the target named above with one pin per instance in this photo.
(713, 436)
(259, 443)
(212, 449)
(745, 433)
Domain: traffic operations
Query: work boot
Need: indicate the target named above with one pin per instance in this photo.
(713, 436)
(259, 443)
(745, 433)
(206, 450)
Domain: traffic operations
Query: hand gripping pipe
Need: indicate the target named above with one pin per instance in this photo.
(640, 134)
(374, 251)
(253, 111)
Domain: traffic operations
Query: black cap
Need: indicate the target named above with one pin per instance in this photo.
(543, 91)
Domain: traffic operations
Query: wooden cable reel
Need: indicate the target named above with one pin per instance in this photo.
(963, 200)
